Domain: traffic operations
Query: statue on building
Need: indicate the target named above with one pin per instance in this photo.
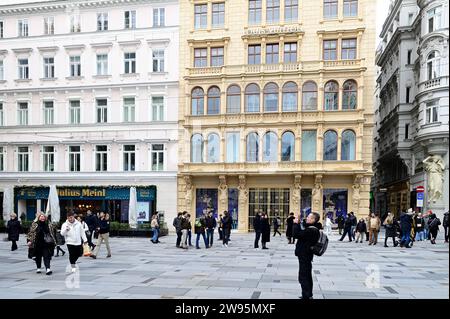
(188, 190)
(434, 166)
(223, 190)
(296, 190)
(356, 192)
(243, 192)
(317, 192)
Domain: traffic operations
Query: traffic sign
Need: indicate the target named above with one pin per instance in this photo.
(420, 189)
(419, 199)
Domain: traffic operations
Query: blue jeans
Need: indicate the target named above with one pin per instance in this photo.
(155, 234)
(426, 232)
(420, 235)
(189, 235)
(210, 236)
(204, 239)
(406, 238)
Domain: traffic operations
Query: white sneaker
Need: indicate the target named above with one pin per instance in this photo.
(48, 272)
(74, 270)
(226, 245)
(38, 270)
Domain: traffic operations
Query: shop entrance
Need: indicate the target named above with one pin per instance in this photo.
(273, 201)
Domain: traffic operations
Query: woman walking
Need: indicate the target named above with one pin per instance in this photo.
(13, 228)
(433, 225)
(361, 228)
(103, 235)
(391, 230)
(290, 224)
(75, 236)
(265, 230)
(41, 240)
(155, 229)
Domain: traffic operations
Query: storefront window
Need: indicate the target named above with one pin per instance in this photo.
(305, 202)
(206, 201)
(335, 203)
(233, 206)
(273, 201)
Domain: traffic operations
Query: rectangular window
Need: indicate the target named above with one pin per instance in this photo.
(290, 10)
(75, 66)
(233, 142)
(48, 158)
(48, 113)
(130, 62)
(101, 110)
(22, 113)
(74, 112)
(409, 56)
(157, 108)
(272, 52)
(330, 50)
(129, 158)
(2, 71)
(200, 58)
(408, 91)
(129, 109)
(74, 158)
(102, 21)
(1, 114)
(330, 9)
(254, 54)
(254, 11)
(1, 29)
(218, 14)
(217, 56)
(432, 112)
(49, 68)
(273, 11)
(75, 24)
(157, 157)
(309, 139)
(159, 17)
(49, 25)
(350, 8)
(348, 49)
(290, 52)
(22, 28)
(2, 159)
(201, 16)
(158, 60)
(434, 19)
(23, 69)
(130, 19)
(406, 131)
(410, 18)
(23, 158)
(102, 64)
(101, 158)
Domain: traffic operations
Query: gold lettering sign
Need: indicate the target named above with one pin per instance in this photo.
(273, 30)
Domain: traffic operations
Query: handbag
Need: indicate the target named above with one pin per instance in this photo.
(48, 239)
(86, 250)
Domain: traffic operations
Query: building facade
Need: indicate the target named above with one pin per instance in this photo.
(412, 111)
(276, 107)
(89, 102)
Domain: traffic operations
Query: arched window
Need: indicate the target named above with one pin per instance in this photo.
(350, 95)
(288, 147)
(214, 100)
(252, 98)
(213, 148)
(309, 92)
(331, 96)
(290, 93)
(253, 147)
(271, 97)
(270, 146)
(348, 146)
(330, 146)
(234, 99)
(197, 101)
(197, 148)
(433, 65)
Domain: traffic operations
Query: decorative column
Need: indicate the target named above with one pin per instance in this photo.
(317, 195)
(188, 188)
(223, 194)
(356, 195)
(295, 203)
(243, 204)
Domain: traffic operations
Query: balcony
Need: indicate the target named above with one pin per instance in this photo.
(441, 82)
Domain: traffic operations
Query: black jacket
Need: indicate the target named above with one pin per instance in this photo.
(257, 223)
(200, 229)
(177, 224)
(421, 222)
(92, 222)
(307, 237)
(341, 221)
(361, 227)
(13, 227)
(185, 223)
(210, 222)
(290, 224)
(445, 220)
(265, 230)
(405, 223)
(349, 222)
(103, 224)
(226, 222)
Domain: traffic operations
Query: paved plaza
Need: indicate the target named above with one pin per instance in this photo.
(140, 269)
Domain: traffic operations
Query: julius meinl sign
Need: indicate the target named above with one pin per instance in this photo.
(273, 30)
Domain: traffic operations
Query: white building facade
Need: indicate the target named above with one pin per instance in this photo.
(89, 102)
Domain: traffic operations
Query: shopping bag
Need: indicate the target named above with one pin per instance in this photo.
(86, 250)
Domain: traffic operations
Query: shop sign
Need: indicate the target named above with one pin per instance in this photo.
(273, 30)
(419, 196)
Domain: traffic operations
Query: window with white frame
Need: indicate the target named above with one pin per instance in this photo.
(75, 23)
(23, 69)
(75, 66)
(129, 158)
(290, 52)
(432, 112)
(348, 49)
(157, 108)
(22, 26)
(2, 158)
(433, 65)
(101, 110)
(130, 19)
(129, 109)
(330, 50)
(157, 157)
(350, 8)
(102, 21)
(217, 56)
(434, 19)
(102, 64)
(200, 57)
(201, 16)
(330, 9)
(273, 11)
(232, 148)
(2, 71)
(130, 62)
(74, 158)
(74, 112)
(1, 114)
(49, 68)
(22, 113)
(23, 157)
(254, 11)
(218, 14)
(48, 158)
(101, 158)
(48, 113)
(159, 17)
(158, 60)
(290, 10)
(49, 25)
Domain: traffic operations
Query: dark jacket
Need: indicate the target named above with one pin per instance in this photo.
(349, 222)
(307, 237)
(210, 222)
(92, 222)
(341, 221)
(434, 223)
(257, 223)
(445, 221)
(226, 222)
(177, 224)
(419, 224)
(103, 224)
(290, 224)
(13, 227)
(37, 233)
(361, 227)
(265, 230)
(406, 223)
(185, 224)
(200, 229)
(275, 222)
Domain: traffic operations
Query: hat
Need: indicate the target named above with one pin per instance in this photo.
(410, 211)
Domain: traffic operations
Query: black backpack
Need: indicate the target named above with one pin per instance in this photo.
(321, 246)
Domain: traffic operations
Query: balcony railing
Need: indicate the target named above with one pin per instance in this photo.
(434, 83)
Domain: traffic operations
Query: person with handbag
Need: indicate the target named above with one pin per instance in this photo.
(103, 235)
(41, 241)
(75, 237)
(433, 225)
(13, 228)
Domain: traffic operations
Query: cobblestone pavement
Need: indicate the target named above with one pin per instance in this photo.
(140, 269)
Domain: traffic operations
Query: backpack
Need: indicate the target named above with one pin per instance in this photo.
(198, 223)
(435, 223)
(321, 246)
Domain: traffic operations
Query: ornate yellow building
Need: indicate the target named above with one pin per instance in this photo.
(276, 107)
